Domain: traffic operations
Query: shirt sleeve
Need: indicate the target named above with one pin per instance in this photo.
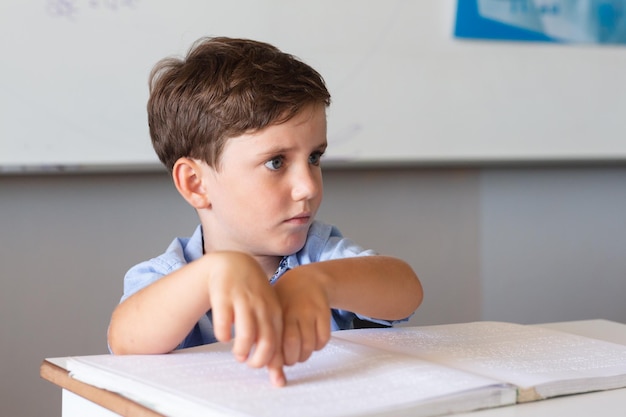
(147, 272)
(180, 252)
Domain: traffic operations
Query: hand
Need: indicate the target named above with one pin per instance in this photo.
(240, 294)
(306, 314)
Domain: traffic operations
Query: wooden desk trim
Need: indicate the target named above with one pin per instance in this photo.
(107, 399)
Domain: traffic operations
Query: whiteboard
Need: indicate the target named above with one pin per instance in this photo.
(73, 85)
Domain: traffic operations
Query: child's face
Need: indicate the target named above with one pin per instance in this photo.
(268, 187)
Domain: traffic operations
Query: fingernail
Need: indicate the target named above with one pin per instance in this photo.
(278, 380)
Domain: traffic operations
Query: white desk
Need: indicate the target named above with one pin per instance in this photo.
(80, 399)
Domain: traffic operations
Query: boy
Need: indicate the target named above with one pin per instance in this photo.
(242, 127)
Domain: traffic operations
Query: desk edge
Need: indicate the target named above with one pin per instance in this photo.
(107, 399)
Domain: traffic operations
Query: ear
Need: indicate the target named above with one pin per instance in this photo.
(188, 179)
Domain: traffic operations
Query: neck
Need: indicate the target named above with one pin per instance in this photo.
(269, 263)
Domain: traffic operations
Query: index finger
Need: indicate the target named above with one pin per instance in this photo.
(275, 369)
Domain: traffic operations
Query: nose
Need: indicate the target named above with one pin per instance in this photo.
(306, 183)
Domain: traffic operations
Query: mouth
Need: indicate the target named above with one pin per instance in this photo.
(299, 219)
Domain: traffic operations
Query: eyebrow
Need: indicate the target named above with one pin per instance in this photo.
(282, 150)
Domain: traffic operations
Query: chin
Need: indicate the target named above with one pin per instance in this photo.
(292, 247)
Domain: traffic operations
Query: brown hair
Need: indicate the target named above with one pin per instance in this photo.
(223, 88)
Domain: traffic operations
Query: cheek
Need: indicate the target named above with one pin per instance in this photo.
(262, 201)
(246, 193)
(320, 192)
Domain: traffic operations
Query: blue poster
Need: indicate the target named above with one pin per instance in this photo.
(565, 21)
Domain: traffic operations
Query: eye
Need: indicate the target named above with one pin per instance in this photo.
(275, 163)
(315, 157)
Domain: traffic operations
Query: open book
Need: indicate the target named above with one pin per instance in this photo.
(417, 371)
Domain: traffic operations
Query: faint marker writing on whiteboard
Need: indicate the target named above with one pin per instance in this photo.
(71, 9)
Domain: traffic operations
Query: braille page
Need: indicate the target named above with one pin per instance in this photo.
(541, 361)
(343, 379)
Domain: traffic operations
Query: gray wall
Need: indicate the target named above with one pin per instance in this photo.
(519, 244)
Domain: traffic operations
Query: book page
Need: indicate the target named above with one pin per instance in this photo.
(551, 362)
(343, 379)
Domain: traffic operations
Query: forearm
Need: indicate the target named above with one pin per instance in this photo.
(380, 287)
(158, 317)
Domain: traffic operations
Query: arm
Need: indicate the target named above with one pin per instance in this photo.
(376, 286)
(231, 284)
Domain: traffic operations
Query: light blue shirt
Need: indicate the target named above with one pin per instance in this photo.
(324, 242)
